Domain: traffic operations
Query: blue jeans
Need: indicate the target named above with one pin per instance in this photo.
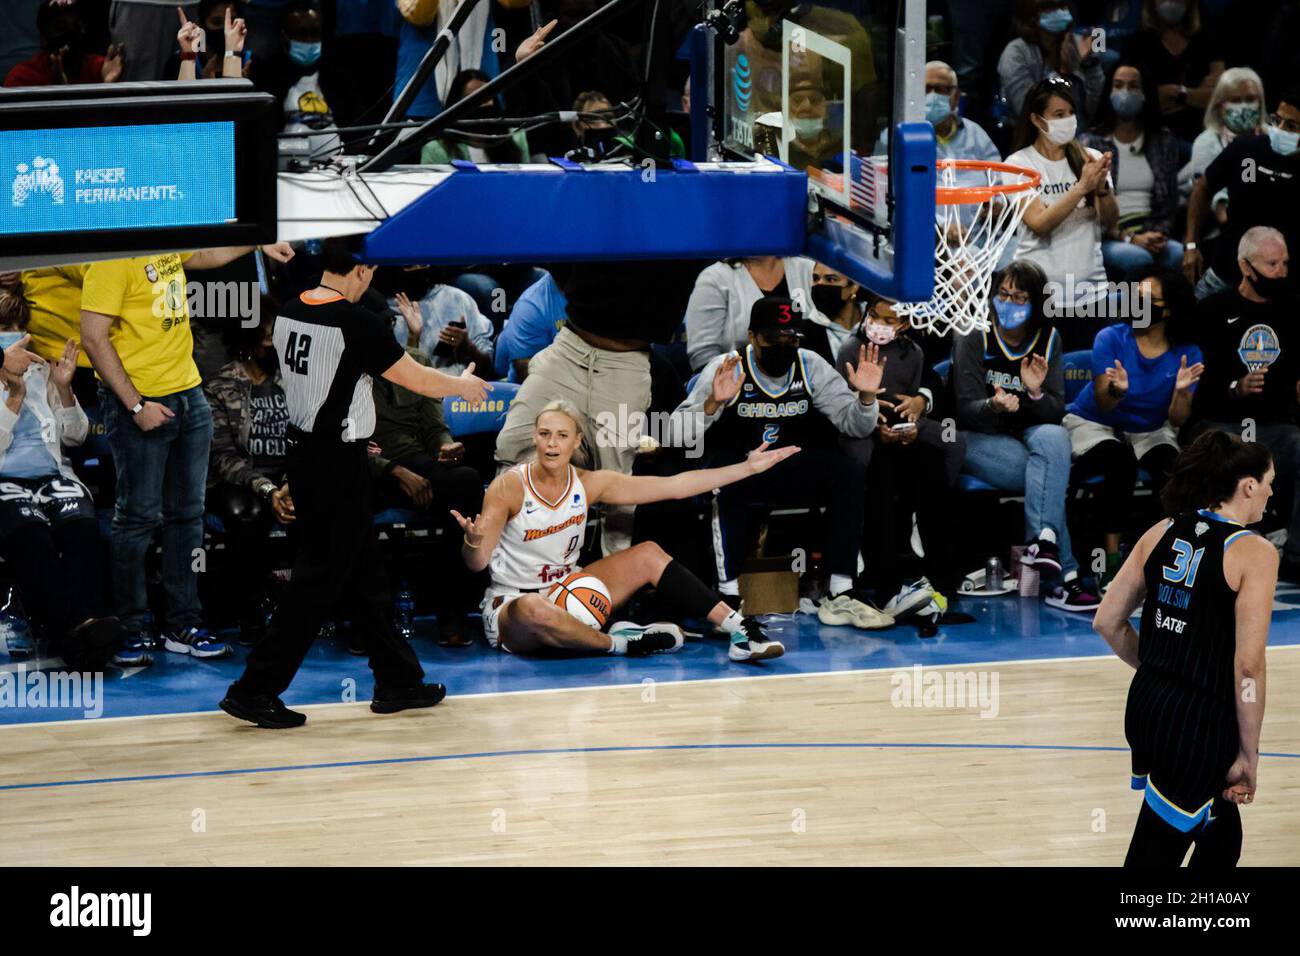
(1038, 467)
(1125, 261)
(161, 477)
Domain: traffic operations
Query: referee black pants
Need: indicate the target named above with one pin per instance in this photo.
(337, 557)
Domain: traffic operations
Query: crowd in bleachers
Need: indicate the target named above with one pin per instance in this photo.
(1168, 159)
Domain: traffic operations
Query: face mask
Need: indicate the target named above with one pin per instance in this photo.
(1061, 131)
(828, 299)
(1127, 103)
(1011, 315)
(937, 108)
(1055, 21)
(1171, 12)
(1267, 286)
(304, 54)
(1241, 117)
(1283, 143)
(807, 128)
(878, 333)
(776, 360)
(9, 338)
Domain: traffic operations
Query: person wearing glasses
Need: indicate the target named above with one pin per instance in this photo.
(955, 138)
(1261, 174)
(1144, 378)
(1010, 388)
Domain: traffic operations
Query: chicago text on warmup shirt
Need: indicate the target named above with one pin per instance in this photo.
(329, 350)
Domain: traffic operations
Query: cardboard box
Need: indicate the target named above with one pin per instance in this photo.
(769, 586)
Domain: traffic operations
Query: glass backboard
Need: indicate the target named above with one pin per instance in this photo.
(818, 85)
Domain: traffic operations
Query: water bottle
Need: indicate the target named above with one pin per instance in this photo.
(993, 578)
(15, 633)
(404, 611)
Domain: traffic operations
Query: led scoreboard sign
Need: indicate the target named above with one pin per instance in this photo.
(131, 167)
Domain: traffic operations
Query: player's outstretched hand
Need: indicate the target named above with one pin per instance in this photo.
(473, 388)
(473, 537)
(761, 459)
(1241, 780)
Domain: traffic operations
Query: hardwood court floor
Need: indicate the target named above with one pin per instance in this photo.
(522, 778)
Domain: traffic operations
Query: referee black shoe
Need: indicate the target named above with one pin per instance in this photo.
(262, 710)
(390, 701)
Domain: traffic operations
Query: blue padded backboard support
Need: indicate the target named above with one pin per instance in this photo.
(538, 214)
(850, 249)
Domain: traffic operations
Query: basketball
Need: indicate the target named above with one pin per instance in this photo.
(584, 597)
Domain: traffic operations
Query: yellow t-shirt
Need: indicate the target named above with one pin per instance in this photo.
(151, 334)
(54, 297)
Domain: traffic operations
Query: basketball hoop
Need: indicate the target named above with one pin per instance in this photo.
(978, 209)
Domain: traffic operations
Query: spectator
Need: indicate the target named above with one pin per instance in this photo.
(513, 148)
(534, 322)
(1144, 166)
(836, 315)
(600, 363)
(905, 454)
(1010, 391)
(1267, 197)
(1144, 377)
(473, 48)
(65, 55)
(596, 129)
(293, 77)
(135, 327)
(246, 485)
(216, 40)
(1180, 60)
(447, 327)
(53, 296)
(1075, 203)
(779, 394)
(1252, 369)
(1236, 109)
(145, 30)
(956, 138)
(49, 538)
(420, 466)
(1046, 49)
(717, 315)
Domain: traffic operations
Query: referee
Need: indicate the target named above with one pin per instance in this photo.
(1196, 703)
(329, 349)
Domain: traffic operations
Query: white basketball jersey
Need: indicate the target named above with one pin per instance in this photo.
(540, 544)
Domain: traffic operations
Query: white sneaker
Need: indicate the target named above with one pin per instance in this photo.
(757, 646)
(842, 610)
(910, 598)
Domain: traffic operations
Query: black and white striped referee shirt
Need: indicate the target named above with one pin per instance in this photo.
(329, 350)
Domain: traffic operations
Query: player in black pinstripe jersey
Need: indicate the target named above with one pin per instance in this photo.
(1196, 703)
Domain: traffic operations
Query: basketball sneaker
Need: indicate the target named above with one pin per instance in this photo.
(196, 642)
(756, 646)
(851, 607)
(391, 700)
(912, 597)
(262, 710)
(132, 651)
(646, 639)
(1043, 556)
(1073, 596)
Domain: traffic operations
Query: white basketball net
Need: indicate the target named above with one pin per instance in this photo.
(970, 238)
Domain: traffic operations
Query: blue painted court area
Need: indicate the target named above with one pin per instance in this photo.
(1006, 629)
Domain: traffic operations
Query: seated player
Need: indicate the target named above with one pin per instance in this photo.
(533, 525)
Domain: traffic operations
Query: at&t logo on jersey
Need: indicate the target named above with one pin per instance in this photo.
(1166, 623)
